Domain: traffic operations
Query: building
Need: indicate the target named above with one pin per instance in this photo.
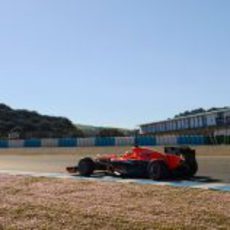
(206, 123)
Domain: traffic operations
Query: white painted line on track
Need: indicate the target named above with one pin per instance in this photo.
(190, 184)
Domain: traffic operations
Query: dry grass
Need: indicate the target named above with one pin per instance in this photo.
(32, 203)
(215, 150)
(81, 151)
(206, 150)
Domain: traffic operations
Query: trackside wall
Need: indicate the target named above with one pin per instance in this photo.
(220, 138)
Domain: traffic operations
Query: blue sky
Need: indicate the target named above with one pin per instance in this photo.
(114, 62)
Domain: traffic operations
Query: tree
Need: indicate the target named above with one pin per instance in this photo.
(35, 125)
(110, 132)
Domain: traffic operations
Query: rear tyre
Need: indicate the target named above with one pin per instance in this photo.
(192, 168)
(158, 170)
(86, 166)
(190, 161)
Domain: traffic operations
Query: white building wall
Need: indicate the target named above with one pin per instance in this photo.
(174, 125)
(196, 122)
(211, 119)
(192, 122)
(200, 121)
(179, 124)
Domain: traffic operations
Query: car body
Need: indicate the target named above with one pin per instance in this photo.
(142, 162)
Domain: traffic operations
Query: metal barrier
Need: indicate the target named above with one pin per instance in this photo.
(116, 141)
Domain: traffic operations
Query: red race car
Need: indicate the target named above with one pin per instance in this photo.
(142, 162)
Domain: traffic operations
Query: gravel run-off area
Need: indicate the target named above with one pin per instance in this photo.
(41, 203)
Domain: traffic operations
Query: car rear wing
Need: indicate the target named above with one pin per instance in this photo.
(185, 151)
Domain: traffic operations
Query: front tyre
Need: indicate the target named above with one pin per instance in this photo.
(158, 170)
(86, 167)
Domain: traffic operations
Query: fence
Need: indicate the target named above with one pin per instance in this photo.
(116, 141)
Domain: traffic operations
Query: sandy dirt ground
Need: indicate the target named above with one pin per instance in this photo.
(214, 161)
(41, 203)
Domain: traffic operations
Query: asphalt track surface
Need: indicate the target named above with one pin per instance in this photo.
(211, 168)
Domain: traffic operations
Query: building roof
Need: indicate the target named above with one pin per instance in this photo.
(227, 109)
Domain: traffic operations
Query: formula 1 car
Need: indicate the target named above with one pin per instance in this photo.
(142, 162)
